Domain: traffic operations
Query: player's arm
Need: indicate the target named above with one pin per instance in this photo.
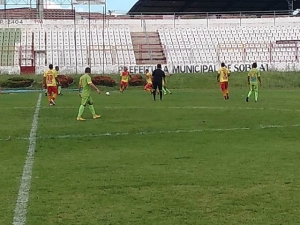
(44, 80)
(79, 88)
(248, 78)
(228, 72)
(94, 87)
(56, 78)
(218, 77)
(259, 79)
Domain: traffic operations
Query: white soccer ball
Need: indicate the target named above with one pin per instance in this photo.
(107, 93)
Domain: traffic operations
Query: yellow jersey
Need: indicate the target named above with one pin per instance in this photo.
(125, 76)
(224, 74)
(149, 78)
(50, 76)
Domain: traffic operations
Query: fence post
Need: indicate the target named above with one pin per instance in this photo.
(240, 18)
(174, 19)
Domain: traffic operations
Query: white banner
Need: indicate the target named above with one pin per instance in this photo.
(196, 68)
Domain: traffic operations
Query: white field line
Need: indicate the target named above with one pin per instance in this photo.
(23, 196)
(170, 107)
(166, 132)
(111, 134)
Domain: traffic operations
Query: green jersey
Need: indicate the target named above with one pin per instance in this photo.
(254, 74)
(85, 81)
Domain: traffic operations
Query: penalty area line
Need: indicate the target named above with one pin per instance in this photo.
(23, 195)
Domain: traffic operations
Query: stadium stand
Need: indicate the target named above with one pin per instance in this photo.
(9, 45)
(234, 44)
(64, 46)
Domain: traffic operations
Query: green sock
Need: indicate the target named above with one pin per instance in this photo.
(164, 90)
(80, 111)
(249, 94)
(59, 90)
(256, 95)
(91, 107)
(168, 90)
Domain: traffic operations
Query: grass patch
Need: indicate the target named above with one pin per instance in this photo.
(191, 159)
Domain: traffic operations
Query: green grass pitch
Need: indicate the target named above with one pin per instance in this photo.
(191, 159)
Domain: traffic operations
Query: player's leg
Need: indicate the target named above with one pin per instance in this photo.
(92, 109)
(45, 91)
(54, 96)
(59, 90)
(121, 86)
(256, 92)
(160, 90)
(249, 93)
(164, 90)
(168, 91)
(154, 90)
(148, 87)
(49, 94)
(222, 85)
(81, 108)
(125, 85)
(227, 90)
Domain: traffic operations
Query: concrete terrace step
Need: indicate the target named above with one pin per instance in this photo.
(147, 48)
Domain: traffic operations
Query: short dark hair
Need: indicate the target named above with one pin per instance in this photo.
(147, 70)
(56, 67)
(223, 64)
(50, 66)
(87, 70)
(158, 66)
(254, 65)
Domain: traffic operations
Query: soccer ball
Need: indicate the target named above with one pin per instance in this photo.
(107, 93)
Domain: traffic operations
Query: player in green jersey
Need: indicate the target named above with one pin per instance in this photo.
(85, 88)
(253, 80)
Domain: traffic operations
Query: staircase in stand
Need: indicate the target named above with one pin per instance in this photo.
(147, 48)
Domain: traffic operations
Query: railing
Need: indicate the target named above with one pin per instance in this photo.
(147, 38)
(32, 13)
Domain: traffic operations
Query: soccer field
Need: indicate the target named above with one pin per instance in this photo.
(192, 158)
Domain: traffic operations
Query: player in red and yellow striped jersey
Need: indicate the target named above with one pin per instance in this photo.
(125, 75)
(222, 78)
(50, 81)
(148, 86)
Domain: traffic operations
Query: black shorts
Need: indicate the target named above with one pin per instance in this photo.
(157, 85)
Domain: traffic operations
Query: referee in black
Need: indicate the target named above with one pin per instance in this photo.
(157, 77)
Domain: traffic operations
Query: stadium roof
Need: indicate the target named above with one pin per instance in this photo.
(161, 6)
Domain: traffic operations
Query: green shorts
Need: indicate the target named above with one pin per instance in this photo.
(253, 87)
(86, 99)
